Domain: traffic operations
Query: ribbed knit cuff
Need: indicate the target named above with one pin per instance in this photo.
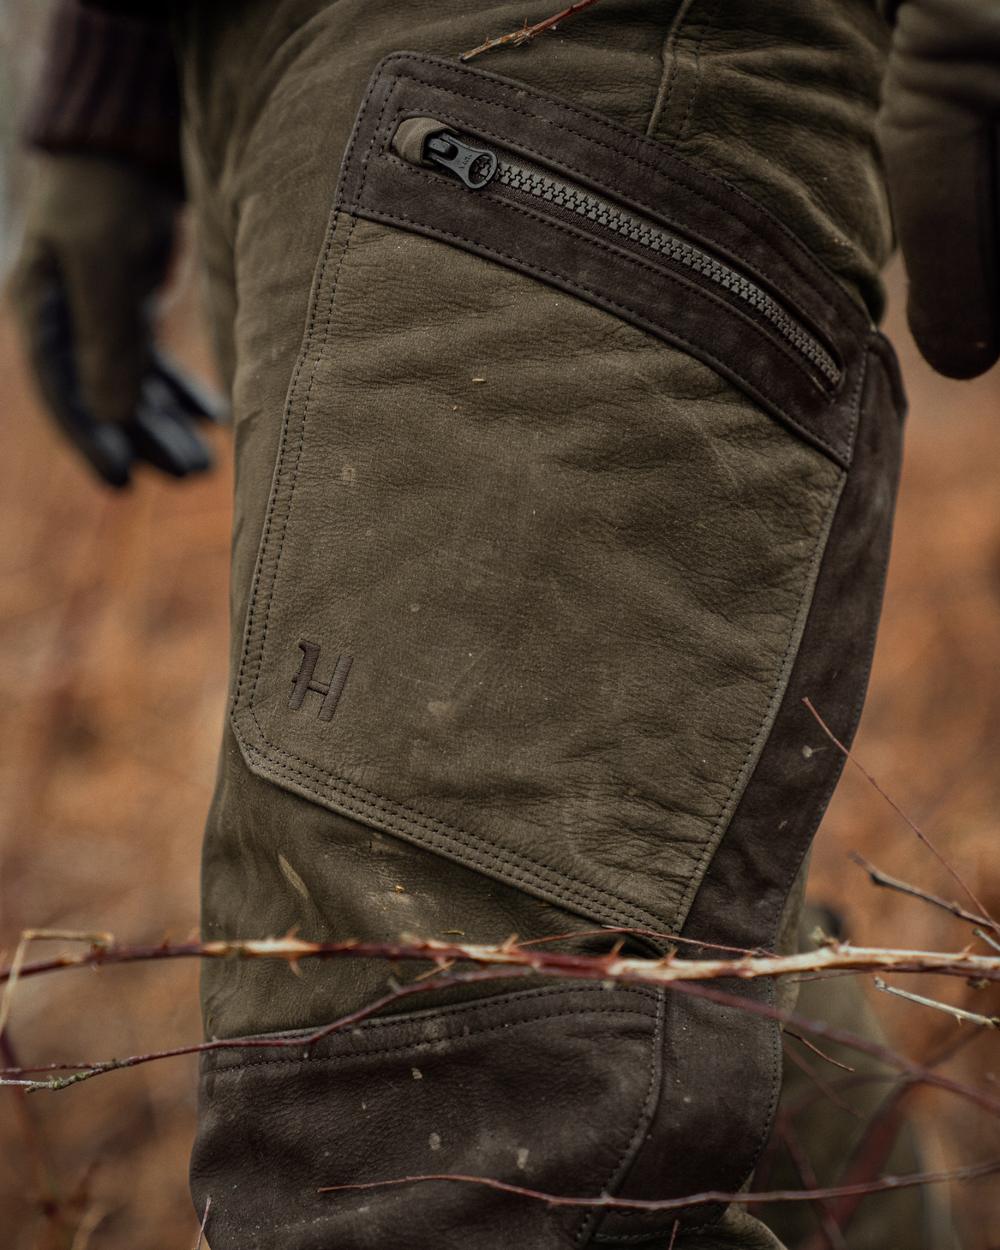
(109, 87)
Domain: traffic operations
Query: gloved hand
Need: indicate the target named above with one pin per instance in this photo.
(97, 243)
(938, 130)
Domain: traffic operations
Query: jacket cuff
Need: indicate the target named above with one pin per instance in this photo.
(109, 88)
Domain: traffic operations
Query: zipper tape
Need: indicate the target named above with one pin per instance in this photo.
(639, 177)
(477, 168)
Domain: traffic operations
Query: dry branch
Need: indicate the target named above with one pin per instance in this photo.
(606, 1202)
(512, 961)
(835, 956)
(957, 1013)
(945, 863)
(883, 879)
(515, 38)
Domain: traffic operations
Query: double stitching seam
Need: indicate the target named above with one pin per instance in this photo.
(618, 253)
(316, 358)
(654, 1091)
(463, 838)
(317, 296)
(855, 715)
(782, 669)
(796, 255)
(518, 869)
(666, 86)
(382, 1052)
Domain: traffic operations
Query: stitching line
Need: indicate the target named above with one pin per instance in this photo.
(404, 1048)
(796, 257)
(784, 668)
(445, 832)
(399, 819)
(286, 421)
(618, 253)
(654, 1090)
(316, 357)
(666, 88)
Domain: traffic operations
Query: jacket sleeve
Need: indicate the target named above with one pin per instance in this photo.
(109, 87)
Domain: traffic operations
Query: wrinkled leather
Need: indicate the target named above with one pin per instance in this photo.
(590, 1082)
(940, 140)
(677, 518)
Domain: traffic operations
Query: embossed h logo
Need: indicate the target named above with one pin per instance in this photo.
(303, 681)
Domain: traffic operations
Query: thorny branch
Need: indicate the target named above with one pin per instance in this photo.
(510, 961)
(835, 956)
(516, 38)
(517, 960)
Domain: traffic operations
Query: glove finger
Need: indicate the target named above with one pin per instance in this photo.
(41, 307)
(193, 398)
(942, 180)
(164, 435)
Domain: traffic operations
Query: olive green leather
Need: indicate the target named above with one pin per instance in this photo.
(626, 542)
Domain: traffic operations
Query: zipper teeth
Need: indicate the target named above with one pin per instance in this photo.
(566, 196)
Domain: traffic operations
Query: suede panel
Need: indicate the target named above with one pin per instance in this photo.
(741, 898)
(417, 1094)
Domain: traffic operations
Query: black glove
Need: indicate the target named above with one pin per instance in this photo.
(98, 239)
(939, 137)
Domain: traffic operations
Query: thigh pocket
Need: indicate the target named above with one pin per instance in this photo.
(567, 430)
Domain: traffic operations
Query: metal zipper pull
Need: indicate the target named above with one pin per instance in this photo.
(424, 141)
(475, 166)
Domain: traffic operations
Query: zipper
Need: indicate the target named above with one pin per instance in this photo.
(477, 167)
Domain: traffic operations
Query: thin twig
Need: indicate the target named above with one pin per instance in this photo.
(942, 860)
(607, 1202)
(12, 973)
(204, 1222)
(957, 1013)
(830, 1230)
(821, 1083)
(990, 941)
(518, 37)
(846, 1067)
(87, 1227)
(48, 1185)
(880, 878)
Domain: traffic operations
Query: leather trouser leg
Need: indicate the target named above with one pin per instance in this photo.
(554, 499)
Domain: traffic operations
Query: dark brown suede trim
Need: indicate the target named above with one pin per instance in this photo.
(741, 896)
(641, 174)
(605, 1078)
